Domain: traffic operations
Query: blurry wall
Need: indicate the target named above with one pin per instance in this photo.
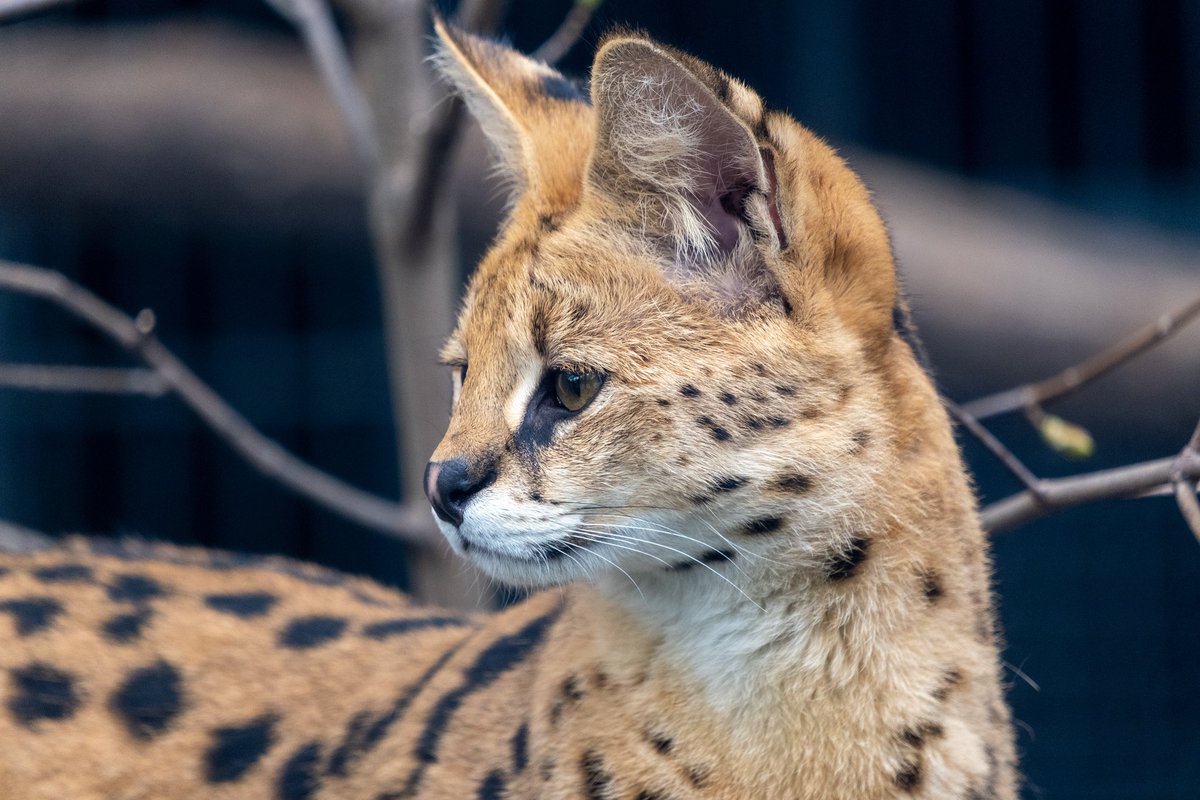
(1042, 178)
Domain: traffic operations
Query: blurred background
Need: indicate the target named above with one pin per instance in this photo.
(1038, 162)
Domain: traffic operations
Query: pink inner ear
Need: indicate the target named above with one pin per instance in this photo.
(722, 213)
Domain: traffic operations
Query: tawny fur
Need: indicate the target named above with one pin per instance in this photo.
(769, 580)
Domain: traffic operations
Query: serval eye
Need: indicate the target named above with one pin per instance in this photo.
(574, 390)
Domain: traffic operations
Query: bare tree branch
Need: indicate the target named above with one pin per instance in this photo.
(1074, 378)
(1185, 485)
(568, 32)
(264, 454)
(997, 448)
(102, 380)
(10, 9)
(1062, 493)
(315, 22)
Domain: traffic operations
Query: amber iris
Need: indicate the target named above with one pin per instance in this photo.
(574, 390)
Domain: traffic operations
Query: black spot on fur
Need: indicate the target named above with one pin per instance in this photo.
(950, 679)
(760, 370)
(520, 747)
(794, 482)
(646, 794)
(32, 614)
(845, 564)
(64, 573)
(496, 659)
(662, 401)
(149, 700)
(779, 422)
(596, 778)
(728, 399)
(125, 628)
(704, 421)
(493, 786)
(298, 778)
(786, 390)
(548, 222)
(755, 423)
(39, 691)
(571, 690)
(538, 329)
(763, 525)
(243, 604)
(663, 744)
(399, 627)
(729, 483)
(234, 750)
(909, 777)
(859, 440)
(931, 586)
(711, 557)
(306, 632)
(720, 434)
(688, 390)
(917, 735)
(134, 589)
(697, 776)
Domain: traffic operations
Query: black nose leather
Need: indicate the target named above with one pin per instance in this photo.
(450, 484)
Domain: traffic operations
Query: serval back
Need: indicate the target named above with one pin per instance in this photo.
(685, 412)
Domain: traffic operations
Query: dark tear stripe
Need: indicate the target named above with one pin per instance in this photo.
(362, 738)
(148, 700)
(520, 747)
(498, 658)
(125, 628)
(845, 565)
(64, 573)
(246, 605)
(134, 589)
(298, 778)
(32, 614)
(493, 786)
(596, 779)
(235, 750)
(42, 692)
(399, 627)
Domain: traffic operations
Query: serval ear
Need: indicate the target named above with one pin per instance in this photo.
(537, 121)
(680, 134)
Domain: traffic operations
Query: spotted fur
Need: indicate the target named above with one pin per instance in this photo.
(762, 572)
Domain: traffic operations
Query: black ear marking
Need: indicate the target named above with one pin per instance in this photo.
(845, 564)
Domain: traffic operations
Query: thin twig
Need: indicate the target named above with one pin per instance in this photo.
(1074, 378)
(1006, 457)
(13, 9)
(568, 32)
(314, 20)
(101, 380)
(264, 454)
(479, 16)
(1185, 486)
(1062, 493)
